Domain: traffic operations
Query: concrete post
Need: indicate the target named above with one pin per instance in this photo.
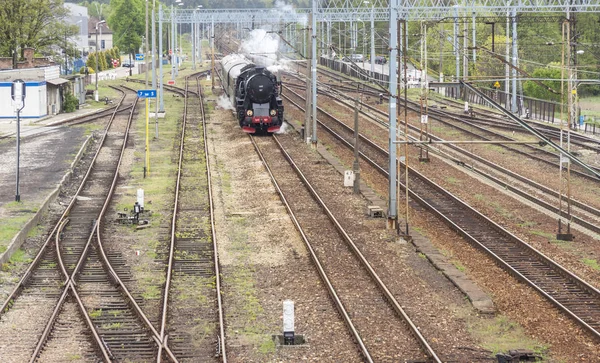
(372, 41)
(514, 107)
(194, 42)
(314, 73)
(161, 105)
(392, 214)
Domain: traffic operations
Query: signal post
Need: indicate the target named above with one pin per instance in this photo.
(146, 94)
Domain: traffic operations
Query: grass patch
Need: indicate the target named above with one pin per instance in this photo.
(500, 210)
(89, 128)
(112, 326)
(19, 213)
(94, 314)
(19, 256)
(591, 263)
(459, 266)
(499, 334)
(479, 197)
(551, 237)
(267, 346)
(453, 180)
(495, 148)
(527, 224)
(151, 292)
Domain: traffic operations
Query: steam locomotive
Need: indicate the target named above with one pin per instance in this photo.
(254, 92)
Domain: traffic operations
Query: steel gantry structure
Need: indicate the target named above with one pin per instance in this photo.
(346, 10)
(326, 12)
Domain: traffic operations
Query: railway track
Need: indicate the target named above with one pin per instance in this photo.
(582, 214)
(334, 253)
(451, 120)
(66, 275)
(193, 289)
(569, 293)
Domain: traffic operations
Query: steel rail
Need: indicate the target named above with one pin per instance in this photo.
(162, 336)
(213, 232)
(64, 215)
(389, 296)
(68, 283)
(575, 203)
(441, 114)
(569, 276)
(578, 220)
(334, 296)
(165, 303)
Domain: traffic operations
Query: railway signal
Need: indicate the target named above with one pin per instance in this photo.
(147, 93)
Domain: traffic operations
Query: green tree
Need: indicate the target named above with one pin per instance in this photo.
(127, 20)
(102, 61)
(95, 7)
(91, 61)
(32, 23)
(550, 76)
(489, 64)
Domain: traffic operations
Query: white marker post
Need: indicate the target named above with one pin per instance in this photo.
(140, 197)
(288, 322)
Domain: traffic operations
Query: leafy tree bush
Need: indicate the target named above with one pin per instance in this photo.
(108, 58)
(532, 89)
(102, 61)
(71, 102)
(91, 61)
(89, 69)
(127, 22)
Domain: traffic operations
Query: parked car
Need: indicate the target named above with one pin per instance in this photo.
(127, 64)
(380, 60)
(357, 58)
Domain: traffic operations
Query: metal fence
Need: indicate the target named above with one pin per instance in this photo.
(536, 109)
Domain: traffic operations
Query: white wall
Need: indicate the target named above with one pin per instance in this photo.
(35, 100)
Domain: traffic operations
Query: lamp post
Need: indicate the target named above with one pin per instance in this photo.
(96, 92)
(18, 101)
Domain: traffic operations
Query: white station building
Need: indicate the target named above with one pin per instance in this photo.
(42, 91)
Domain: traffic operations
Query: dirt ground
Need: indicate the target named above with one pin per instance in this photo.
(43, 162)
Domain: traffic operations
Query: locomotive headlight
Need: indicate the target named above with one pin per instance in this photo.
(273, 112)
(249, 112)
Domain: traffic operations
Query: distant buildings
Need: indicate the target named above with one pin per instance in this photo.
(79, 17)
(105, 35)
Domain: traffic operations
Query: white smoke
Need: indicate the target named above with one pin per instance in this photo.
(225, 103)
(284, 8)
(262, 48)
(260, 43)
(284, 129)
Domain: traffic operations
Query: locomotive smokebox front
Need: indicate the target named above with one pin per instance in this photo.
(259, 88)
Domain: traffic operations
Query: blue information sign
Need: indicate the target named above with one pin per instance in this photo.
(146, 93)
(139, 57)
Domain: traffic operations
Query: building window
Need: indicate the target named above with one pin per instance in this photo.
(102, 44)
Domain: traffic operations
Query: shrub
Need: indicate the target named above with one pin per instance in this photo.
(89, 69)
(71, 102)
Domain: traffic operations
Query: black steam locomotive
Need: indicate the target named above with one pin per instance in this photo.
(254, 92)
